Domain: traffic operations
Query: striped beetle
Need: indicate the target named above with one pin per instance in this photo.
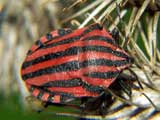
(66, 64)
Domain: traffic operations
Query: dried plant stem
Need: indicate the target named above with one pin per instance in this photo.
(138, 15)
(109, 9)
(144, 37)
(150, 40)
(95, 12)
(153, 42)
(128, 27)
(154, 5)
(155, 27)
(91, 6)
(158, 55)
(117, 20)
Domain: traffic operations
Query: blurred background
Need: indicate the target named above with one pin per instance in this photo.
(22, 22)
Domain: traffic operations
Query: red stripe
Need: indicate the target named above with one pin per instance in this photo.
(52, 77)
(56, 99)
(98, 82)
(45, 96)
(76, 91)
(97, 69)
(35, 92)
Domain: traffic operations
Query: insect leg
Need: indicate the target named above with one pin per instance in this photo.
(97, 105)
(125, 83)
(136, 77)
(107, 101)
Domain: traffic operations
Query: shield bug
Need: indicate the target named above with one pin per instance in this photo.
(66, 64)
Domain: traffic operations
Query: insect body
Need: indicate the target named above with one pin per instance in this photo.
(67, 64)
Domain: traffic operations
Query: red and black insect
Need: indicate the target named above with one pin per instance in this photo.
(66, 64)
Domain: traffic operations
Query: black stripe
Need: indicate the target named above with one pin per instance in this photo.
(69, 66)
(50, 98)
(63, 83)
(102, 62)
(101, 38)
(72, 51)
(92, 88)
(103, 75)
(73, 83)
(41, 93)
(64, 41)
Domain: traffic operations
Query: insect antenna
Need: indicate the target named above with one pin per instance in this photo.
(73, 4)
